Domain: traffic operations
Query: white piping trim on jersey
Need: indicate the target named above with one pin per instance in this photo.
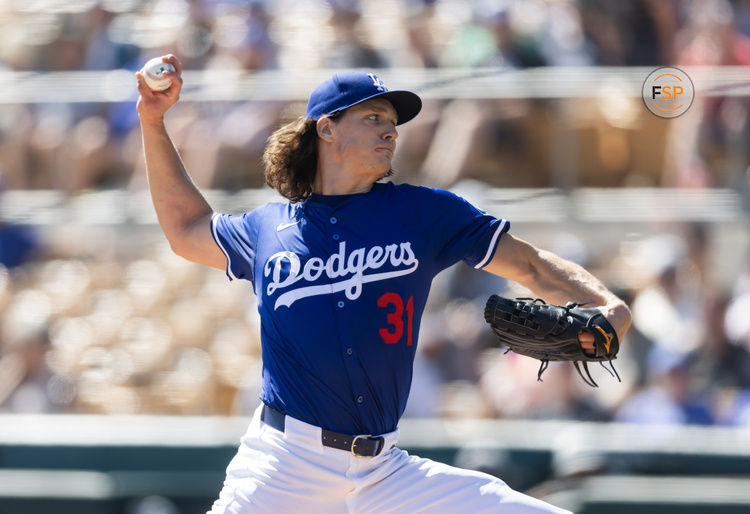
(218, 243)
(352, 284)
(486, 259)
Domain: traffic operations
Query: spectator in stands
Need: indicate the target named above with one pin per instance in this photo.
(26, 382)
(723, 360)
(669, 310)
(487, 140)
(736, 322)
(698, 150)
(635, 33)
(18, 243)
(671, 397)
(257, 50)
(420, 15)
(349, 48)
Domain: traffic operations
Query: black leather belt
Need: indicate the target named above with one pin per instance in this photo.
(358, 445)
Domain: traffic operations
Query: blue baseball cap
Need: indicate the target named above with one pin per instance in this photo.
(345, 90)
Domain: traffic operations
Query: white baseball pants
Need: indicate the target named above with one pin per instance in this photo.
(292, 471)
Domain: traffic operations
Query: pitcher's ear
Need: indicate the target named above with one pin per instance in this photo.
(325, 128)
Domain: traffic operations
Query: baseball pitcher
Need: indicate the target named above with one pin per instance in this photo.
(342, 272)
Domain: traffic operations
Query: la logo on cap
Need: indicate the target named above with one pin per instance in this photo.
(377, 82)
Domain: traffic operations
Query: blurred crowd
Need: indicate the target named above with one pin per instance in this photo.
(127, 327)
(144, 331)
(505, 142)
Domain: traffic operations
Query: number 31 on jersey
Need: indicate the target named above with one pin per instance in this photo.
(395, 318)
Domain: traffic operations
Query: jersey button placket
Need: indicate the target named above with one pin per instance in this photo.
(333, 220)
(340, 304)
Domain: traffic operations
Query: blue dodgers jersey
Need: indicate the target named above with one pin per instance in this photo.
(342, 282)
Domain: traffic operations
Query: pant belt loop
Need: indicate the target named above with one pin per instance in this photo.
(273, 418)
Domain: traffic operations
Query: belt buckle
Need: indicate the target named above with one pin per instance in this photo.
(354, 442)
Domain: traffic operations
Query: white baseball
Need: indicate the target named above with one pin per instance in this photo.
(153, 74)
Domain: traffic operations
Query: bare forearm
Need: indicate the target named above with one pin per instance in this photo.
(177, 200)
(559, 281)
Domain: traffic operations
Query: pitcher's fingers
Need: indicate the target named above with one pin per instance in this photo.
(174, 76)
(587, 341)
(143, 88)
(174, 61)
(175, 87)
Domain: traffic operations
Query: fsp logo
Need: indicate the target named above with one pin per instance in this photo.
(668, 92)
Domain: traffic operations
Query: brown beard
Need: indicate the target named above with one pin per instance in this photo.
(388, 173)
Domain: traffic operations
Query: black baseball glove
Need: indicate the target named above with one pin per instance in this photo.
(532, 327)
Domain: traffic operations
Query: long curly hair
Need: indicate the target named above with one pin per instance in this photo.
(291, 158)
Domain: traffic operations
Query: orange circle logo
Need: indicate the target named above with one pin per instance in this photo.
(668, 92)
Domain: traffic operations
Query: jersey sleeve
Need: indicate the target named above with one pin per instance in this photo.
(463, 232)
(237, 237)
